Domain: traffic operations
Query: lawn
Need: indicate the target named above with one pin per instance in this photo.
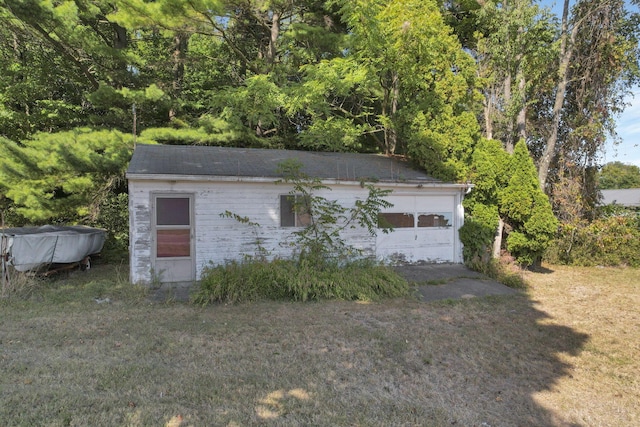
(565, 353)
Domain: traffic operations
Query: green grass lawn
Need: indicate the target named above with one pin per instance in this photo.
(564, 353)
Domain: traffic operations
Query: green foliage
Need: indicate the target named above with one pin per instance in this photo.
(113, 216)
(489, 163)
(506, 187)
(299, 281)
(63, 176)
(321, 239)
(212, 132)
(415, 87)
(617, 175)
(608, 241)
(526, 209)
(476, 237)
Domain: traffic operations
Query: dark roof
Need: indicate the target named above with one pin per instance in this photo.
(628, 197)
(263, 163)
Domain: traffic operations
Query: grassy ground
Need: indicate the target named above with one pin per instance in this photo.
(564, 354)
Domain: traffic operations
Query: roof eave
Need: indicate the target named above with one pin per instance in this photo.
(252, 179)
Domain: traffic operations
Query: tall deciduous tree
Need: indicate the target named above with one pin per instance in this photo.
(403, 83)
(514, 41)
(596, 64)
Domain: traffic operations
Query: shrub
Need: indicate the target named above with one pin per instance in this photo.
(526, 210)
(608, 241)
(298, 280)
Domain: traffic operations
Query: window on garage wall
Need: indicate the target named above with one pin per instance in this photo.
(437, 219)
(292, 213)
(396, 220)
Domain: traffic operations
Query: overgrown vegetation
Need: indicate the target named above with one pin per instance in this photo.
(299, 280)
(422, 79)
(102, 283)
(74, 177)
(321, 238)
(612, 240)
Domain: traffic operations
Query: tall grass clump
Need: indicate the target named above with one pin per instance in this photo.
(298, 280)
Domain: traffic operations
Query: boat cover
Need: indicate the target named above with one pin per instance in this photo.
(32, 248)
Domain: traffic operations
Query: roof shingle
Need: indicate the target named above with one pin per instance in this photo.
(263, 163)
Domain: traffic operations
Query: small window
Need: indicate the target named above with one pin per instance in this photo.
(172, 211)
(395, 220)
(292, 213)
(439, 219)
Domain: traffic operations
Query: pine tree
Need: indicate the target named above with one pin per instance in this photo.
(526, 209)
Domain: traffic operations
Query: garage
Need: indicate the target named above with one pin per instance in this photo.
(425, 229)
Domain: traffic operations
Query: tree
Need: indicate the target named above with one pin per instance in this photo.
(616, 175)
(64, 177)
(514, 38)
(526, 209)
(260, 46)
(557, 83)
(402, 86)
(506, 200)
(481, 233)
(596, 65)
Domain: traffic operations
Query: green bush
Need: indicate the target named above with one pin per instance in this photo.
(298, 280)
(609, 241)
(477, 239)
(113, 216)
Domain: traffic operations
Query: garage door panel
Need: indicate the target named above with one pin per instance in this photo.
(431, 238)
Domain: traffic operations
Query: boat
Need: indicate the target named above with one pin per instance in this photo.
(39, 248)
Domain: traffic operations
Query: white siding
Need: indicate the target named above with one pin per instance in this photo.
(219, 239)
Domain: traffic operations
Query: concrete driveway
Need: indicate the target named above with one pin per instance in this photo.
(451, 281)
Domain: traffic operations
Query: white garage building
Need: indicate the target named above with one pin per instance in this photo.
(178, 193)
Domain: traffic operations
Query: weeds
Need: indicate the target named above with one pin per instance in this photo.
(20, 285)
(299, 280)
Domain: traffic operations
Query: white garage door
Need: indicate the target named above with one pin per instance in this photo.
(424, 229)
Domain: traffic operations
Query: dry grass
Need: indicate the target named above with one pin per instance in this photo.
(565, 354)
(602, 384)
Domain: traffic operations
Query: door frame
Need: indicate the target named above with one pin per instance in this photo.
(191, 259)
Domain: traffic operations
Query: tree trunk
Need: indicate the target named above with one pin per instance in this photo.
(508, 137)
(566, 50)
(488, 108)
(181, 41)
(273, 39)
(390, 134)
(497, 241)
(521, 119)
